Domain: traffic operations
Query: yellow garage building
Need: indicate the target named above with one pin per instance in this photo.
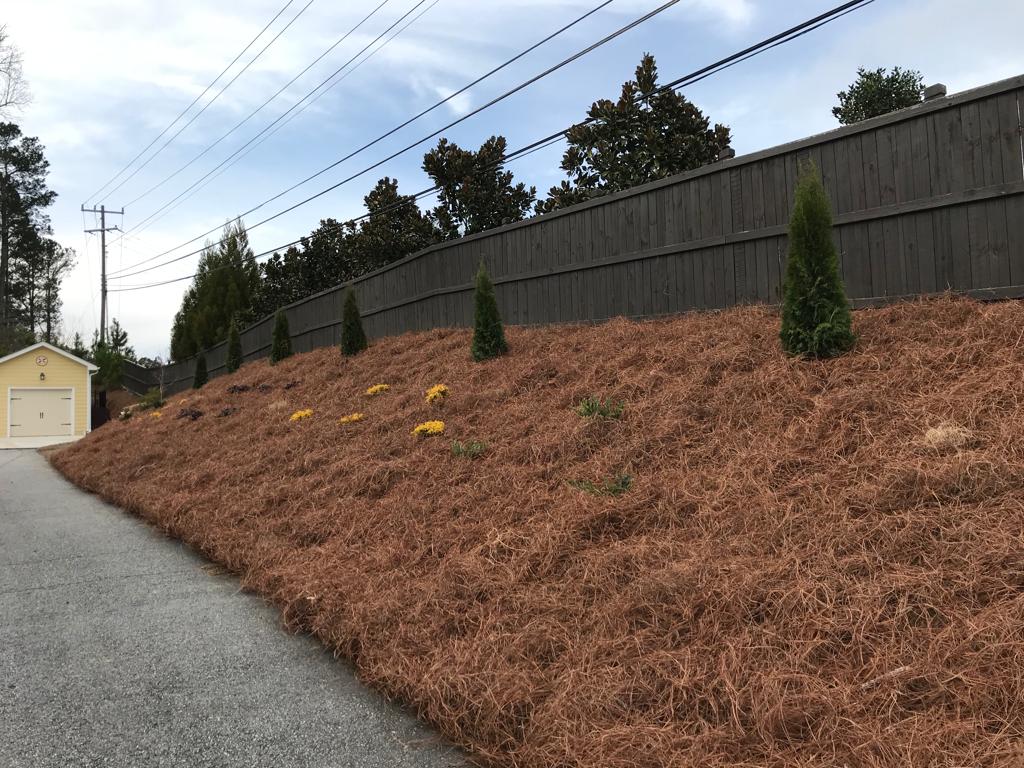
(45, 392)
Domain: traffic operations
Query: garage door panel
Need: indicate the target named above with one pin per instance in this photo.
(40, 412)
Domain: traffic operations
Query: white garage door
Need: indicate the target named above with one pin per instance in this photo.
(40, 412)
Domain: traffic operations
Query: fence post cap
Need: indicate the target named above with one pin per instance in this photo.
(934, 91)
(727, 154)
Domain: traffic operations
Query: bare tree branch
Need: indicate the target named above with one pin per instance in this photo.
(14, 92)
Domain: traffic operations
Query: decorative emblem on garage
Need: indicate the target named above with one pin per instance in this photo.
(41, 360)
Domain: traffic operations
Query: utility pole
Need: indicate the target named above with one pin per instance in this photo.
(103, 229)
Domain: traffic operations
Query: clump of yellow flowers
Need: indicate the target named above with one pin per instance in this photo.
(429, 428)
(156, 414)
(378, 389)
(351, 418)
(300, 415)
(437, 393)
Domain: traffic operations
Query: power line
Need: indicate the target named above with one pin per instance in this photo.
(281, 90)
(579, 54)
(236, 157)
(194, 101)
(769, 43)
(417, 116)
(208, 104)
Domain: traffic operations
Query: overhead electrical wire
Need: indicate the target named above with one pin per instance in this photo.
(239, 155)
(216, 96)
(194, 102)
(383, 136)
(550, 70)
(774, 41)
(279, 91)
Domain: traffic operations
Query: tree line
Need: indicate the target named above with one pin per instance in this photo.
(644, 135)
(32, 264)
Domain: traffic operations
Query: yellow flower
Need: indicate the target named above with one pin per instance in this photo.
(157, 414)
(378, 389)
(352, 417)
(429, 428)
(437, 393)
(300, 415)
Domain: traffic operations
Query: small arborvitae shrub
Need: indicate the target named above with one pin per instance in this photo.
(234, 359)
(353, 338)
(152, 399)
(594, 408)
(488, 333)
(816, 320)
(201, 376)
(615, 486)
(281, 342)
(469, 450)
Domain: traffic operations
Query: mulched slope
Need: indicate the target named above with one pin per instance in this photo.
(802, 573)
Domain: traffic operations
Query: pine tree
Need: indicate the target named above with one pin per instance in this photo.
(488, 334)
(201, 376)
(816, 319)
(281, 344)
(353, 338)
(234, 359)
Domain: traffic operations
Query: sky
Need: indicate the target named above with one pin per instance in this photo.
(107, 76)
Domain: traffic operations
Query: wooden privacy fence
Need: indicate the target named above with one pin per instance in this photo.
(927, 199)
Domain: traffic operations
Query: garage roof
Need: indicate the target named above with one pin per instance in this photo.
(50, 347)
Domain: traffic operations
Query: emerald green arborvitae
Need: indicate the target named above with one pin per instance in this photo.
(816, 319)
(281, 343)
(201, 376)
(353, 338)
(488, 334)
(234, 360)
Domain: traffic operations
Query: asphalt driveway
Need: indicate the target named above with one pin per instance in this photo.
(120, 647)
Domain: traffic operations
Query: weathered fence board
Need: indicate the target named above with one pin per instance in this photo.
(927, 199)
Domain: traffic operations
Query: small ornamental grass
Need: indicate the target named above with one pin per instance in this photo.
(611, 487)
(472, 449)
(152, 399)
(352, 418)
(592, 407)
(437, 394)
(300, 415)
(428, 428)
(378, 389)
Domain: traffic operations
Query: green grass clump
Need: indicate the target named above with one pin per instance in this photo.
(152, 399)
(469, 450)
(615, 486)
(592, 407)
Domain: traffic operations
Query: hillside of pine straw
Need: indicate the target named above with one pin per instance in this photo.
(815, 564)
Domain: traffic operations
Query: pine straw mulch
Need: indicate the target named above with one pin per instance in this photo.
(816, 564)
